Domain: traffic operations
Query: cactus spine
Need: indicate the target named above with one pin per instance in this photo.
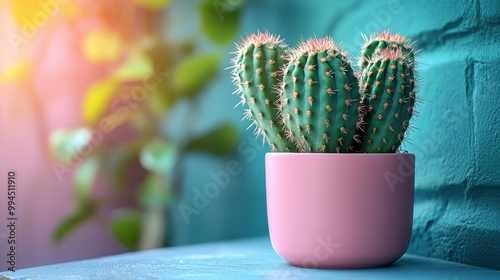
(320, 97)
(388, 82)
(256, 74)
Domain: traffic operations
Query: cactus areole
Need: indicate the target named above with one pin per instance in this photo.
(309, 99)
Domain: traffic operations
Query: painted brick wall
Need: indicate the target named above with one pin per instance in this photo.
(457, 135)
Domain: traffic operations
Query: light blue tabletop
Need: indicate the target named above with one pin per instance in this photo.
(240, 259)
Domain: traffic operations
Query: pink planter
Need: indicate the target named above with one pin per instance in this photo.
(340, 210)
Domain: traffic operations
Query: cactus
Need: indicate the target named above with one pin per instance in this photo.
(256, 74)
(388, 82)
(384, 40)
(309, 99)
(320, 97)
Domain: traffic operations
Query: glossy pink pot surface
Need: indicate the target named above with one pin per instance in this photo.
(340, 210)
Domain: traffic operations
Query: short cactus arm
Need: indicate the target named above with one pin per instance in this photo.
(256, 73)
(389, 98)
(405, 101)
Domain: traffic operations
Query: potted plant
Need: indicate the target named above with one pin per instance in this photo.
(339, 194)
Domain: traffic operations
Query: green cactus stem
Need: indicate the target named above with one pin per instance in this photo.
(388, 83)
(385, 40)
(256, 74)
(320, 97)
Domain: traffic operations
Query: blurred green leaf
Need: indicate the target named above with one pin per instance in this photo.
(154, 5)
(137, 67)
(193, 73)
(66, 143)
(220, 141)
(162, 53)
(158, 101)
(119, 162)
(83, 211)
(142, 123)
(126, 227)
(159, 156)
(97, 98)
(219, 20)
(153, 192)
(85, 176)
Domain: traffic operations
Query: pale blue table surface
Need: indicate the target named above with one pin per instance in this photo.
(240, 259)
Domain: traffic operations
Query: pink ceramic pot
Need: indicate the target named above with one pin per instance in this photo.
(340, 210)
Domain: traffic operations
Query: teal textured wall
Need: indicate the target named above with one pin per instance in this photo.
(457, 136)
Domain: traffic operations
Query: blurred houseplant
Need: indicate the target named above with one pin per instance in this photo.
(142, 74)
